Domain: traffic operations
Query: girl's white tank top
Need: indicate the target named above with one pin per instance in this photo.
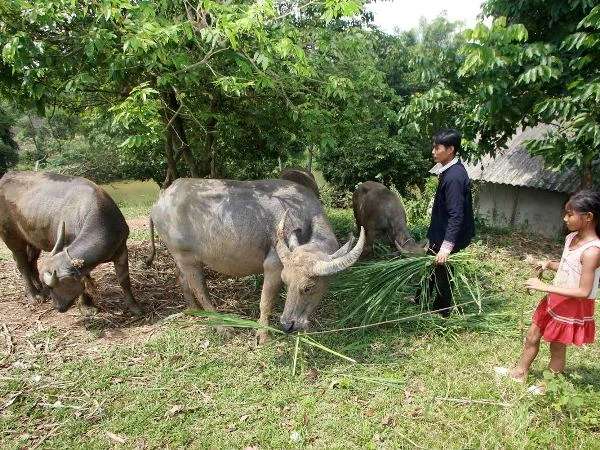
(569, 269)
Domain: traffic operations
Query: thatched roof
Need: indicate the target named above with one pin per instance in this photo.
(516, 167)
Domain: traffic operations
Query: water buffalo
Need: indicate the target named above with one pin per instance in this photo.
(240, 228)
(73, 219)
(380, 212)
(300, 176)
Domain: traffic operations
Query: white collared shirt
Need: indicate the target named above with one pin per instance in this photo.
(438, 168)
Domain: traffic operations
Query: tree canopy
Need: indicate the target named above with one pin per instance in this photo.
(536, 64)
(168, 88)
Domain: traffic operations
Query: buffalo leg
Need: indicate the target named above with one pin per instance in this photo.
(122, 270)
(32, 256)
(19, 251)
(190, 300)
(197, 284)
(86, 305)
(270, 291)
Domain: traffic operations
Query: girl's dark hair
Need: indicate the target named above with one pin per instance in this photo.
(448, 137)
(586, 202)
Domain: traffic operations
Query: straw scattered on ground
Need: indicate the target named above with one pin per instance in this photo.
(156, 288)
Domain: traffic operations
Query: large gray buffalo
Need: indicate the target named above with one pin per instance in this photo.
(239, 228)
(73, 219)
(380, 212)
(300, 176)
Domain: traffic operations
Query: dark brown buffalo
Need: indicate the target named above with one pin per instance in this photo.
(381, 213)
(74, 220)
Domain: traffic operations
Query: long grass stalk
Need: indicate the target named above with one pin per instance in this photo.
(217, 319)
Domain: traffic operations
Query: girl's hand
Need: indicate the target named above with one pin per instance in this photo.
(544, 265)
(536, 284)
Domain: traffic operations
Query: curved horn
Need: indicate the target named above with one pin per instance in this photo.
(50, 280)
(60, 240)
(426, 245)
(323, 268)
(344, 248)
(293, 241)
(282, 249)
(399, 247)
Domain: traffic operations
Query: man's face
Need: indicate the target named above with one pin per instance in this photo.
(442, 154)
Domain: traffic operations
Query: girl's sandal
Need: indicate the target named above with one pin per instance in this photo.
(536, 390)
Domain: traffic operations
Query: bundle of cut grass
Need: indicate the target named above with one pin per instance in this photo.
(376, 291)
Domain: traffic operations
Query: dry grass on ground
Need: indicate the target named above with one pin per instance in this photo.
(155, 287)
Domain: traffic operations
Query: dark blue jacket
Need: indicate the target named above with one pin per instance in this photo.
(452, 213)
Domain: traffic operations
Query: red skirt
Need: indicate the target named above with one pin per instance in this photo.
(566, 320)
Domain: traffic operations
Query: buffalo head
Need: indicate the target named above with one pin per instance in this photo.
(411, 247)
(61, 274)
(306, 270)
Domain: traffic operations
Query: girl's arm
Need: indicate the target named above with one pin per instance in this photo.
(590, 261)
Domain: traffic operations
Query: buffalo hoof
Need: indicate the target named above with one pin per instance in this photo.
(136, 309)
(262, 337)
(35, 299)
(88, 310)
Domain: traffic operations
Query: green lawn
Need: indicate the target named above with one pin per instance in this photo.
(422, 383)
(133, 197)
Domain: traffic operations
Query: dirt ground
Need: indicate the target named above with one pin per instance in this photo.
(23, 326)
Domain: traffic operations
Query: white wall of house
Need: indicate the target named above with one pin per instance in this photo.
(529, 209)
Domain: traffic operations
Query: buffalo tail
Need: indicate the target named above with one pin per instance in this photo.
(150, 258)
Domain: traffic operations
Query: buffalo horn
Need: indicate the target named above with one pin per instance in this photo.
(399, 247)
(282, 249)
(322, 268)
(50, 279)
(426, 245)
(60, 240)
(344, 248)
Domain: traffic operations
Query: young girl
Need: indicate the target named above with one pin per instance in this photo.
(565, 316)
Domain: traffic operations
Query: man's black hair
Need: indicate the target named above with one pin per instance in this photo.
(447, 137)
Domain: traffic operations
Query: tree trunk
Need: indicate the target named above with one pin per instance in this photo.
(178, 128)
(310, 158)
(209, 161)
(587, 179)
(171, 163)
(208, 157)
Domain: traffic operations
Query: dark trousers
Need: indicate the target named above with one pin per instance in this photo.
(438, 282)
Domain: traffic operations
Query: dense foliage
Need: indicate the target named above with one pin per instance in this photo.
(161, 89)
(537, 64)
(8, 146)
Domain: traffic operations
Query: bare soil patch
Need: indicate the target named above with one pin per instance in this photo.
(23, 327)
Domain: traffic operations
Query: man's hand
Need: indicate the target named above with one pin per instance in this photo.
(441, 257)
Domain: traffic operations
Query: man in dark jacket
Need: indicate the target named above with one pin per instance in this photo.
(452, 226)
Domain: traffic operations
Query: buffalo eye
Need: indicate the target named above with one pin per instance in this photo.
(307, 288)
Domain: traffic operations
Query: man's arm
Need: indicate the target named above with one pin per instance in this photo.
(454, 197)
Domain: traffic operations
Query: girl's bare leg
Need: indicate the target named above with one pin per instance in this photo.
(558, 356)
(530, 351)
